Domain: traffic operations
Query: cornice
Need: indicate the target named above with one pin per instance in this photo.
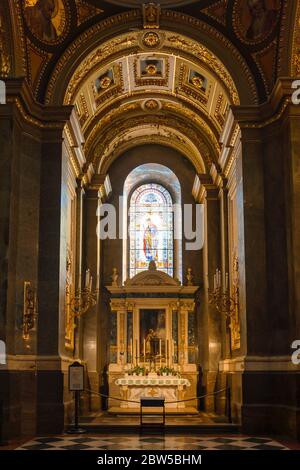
(38, 115)
(257, 117)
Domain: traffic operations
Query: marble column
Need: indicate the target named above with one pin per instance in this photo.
(92, 339)
(269, 161)
(78, 263)
(31, 394)
(223, 198)
(211, 320)
(51, 282)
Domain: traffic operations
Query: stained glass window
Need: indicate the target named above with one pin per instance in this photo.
(151, 229)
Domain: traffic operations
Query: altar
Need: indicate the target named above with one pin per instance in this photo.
(152, 350)
(171, 388)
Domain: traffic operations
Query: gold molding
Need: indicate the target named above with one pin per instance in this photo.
(151, 15)
(178, 142)
(5, 62)
(267, 122)
(295, 60)
(179, 17)
(28, 118)
(206, 57)
(119, 19)
(176, 123)
(172, 42)
(20, 35)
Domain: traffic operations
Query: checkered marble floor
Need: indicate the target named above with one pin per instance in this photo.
(171, 442)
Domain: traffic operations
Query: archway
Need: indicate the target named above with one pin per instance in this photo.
(188, 87)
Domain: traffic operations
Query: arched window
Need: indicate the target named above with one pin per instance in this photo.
(151, 229)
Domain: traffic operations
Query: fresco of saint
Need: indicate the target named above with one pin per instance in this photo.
(39, 19)
(262, 19)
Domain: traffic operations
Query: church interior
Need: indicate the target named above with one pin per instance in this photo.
(149, 212)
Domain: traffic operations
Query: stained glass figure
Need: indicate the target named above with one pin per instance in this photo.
(151, 229)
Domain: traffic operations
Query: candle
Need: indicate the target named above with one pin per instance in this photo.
(136, 351)
(160, 353)
(91, 283)
(144, 351)
(131, 352)
(215, 285)
(226, 281)
(167, 352)
(87, 276)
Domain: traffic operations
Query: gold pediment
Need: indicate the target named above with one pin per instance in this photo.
(152, 278)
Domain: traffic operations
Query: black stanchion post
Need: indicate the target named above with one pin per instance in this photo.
(76, 385)
(229, 405)
(2, 442)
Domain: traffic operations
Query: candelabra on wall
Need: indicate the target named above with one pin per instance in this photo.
(227, 301)
(30, 309)
(85, 298)
(220, 296)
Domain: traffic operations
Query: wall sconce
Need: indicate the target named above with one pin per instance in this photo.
(30, 312)
(85, 298)
(220, 297)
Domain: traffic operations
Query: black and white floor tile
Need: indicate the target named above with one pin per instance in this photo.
(171, 442)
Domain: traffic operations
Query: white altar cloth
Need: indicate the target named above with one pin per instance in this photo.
(153, 381)
(134, 387)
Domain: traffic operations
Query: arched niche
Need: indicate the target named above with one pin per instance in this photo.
(166, 178)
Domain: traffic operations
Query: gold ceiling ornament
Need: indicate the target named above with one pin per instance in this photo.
(197, 82)
(169, 139)
(4, 54)
(207, 57)
(151, 69)
(151, 15)
(123, 41)
(186, 128)
(151, 105)
(193, 117)
(191, 125)
(94, 59)
(150, 74)
(112, 85)
(105, 82)
(132, 44)
(99, 122)
(151, 39)
(220, 110)
(188, 89)
(183, 105)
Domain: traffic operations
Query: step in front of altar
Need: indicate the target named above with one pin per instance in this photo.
(188, 410)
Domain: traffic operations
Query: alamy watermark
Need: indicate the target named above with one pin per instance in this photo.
(296, 354)
(2, 352)
(296, 93)
(188, 221)
(2, 92)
